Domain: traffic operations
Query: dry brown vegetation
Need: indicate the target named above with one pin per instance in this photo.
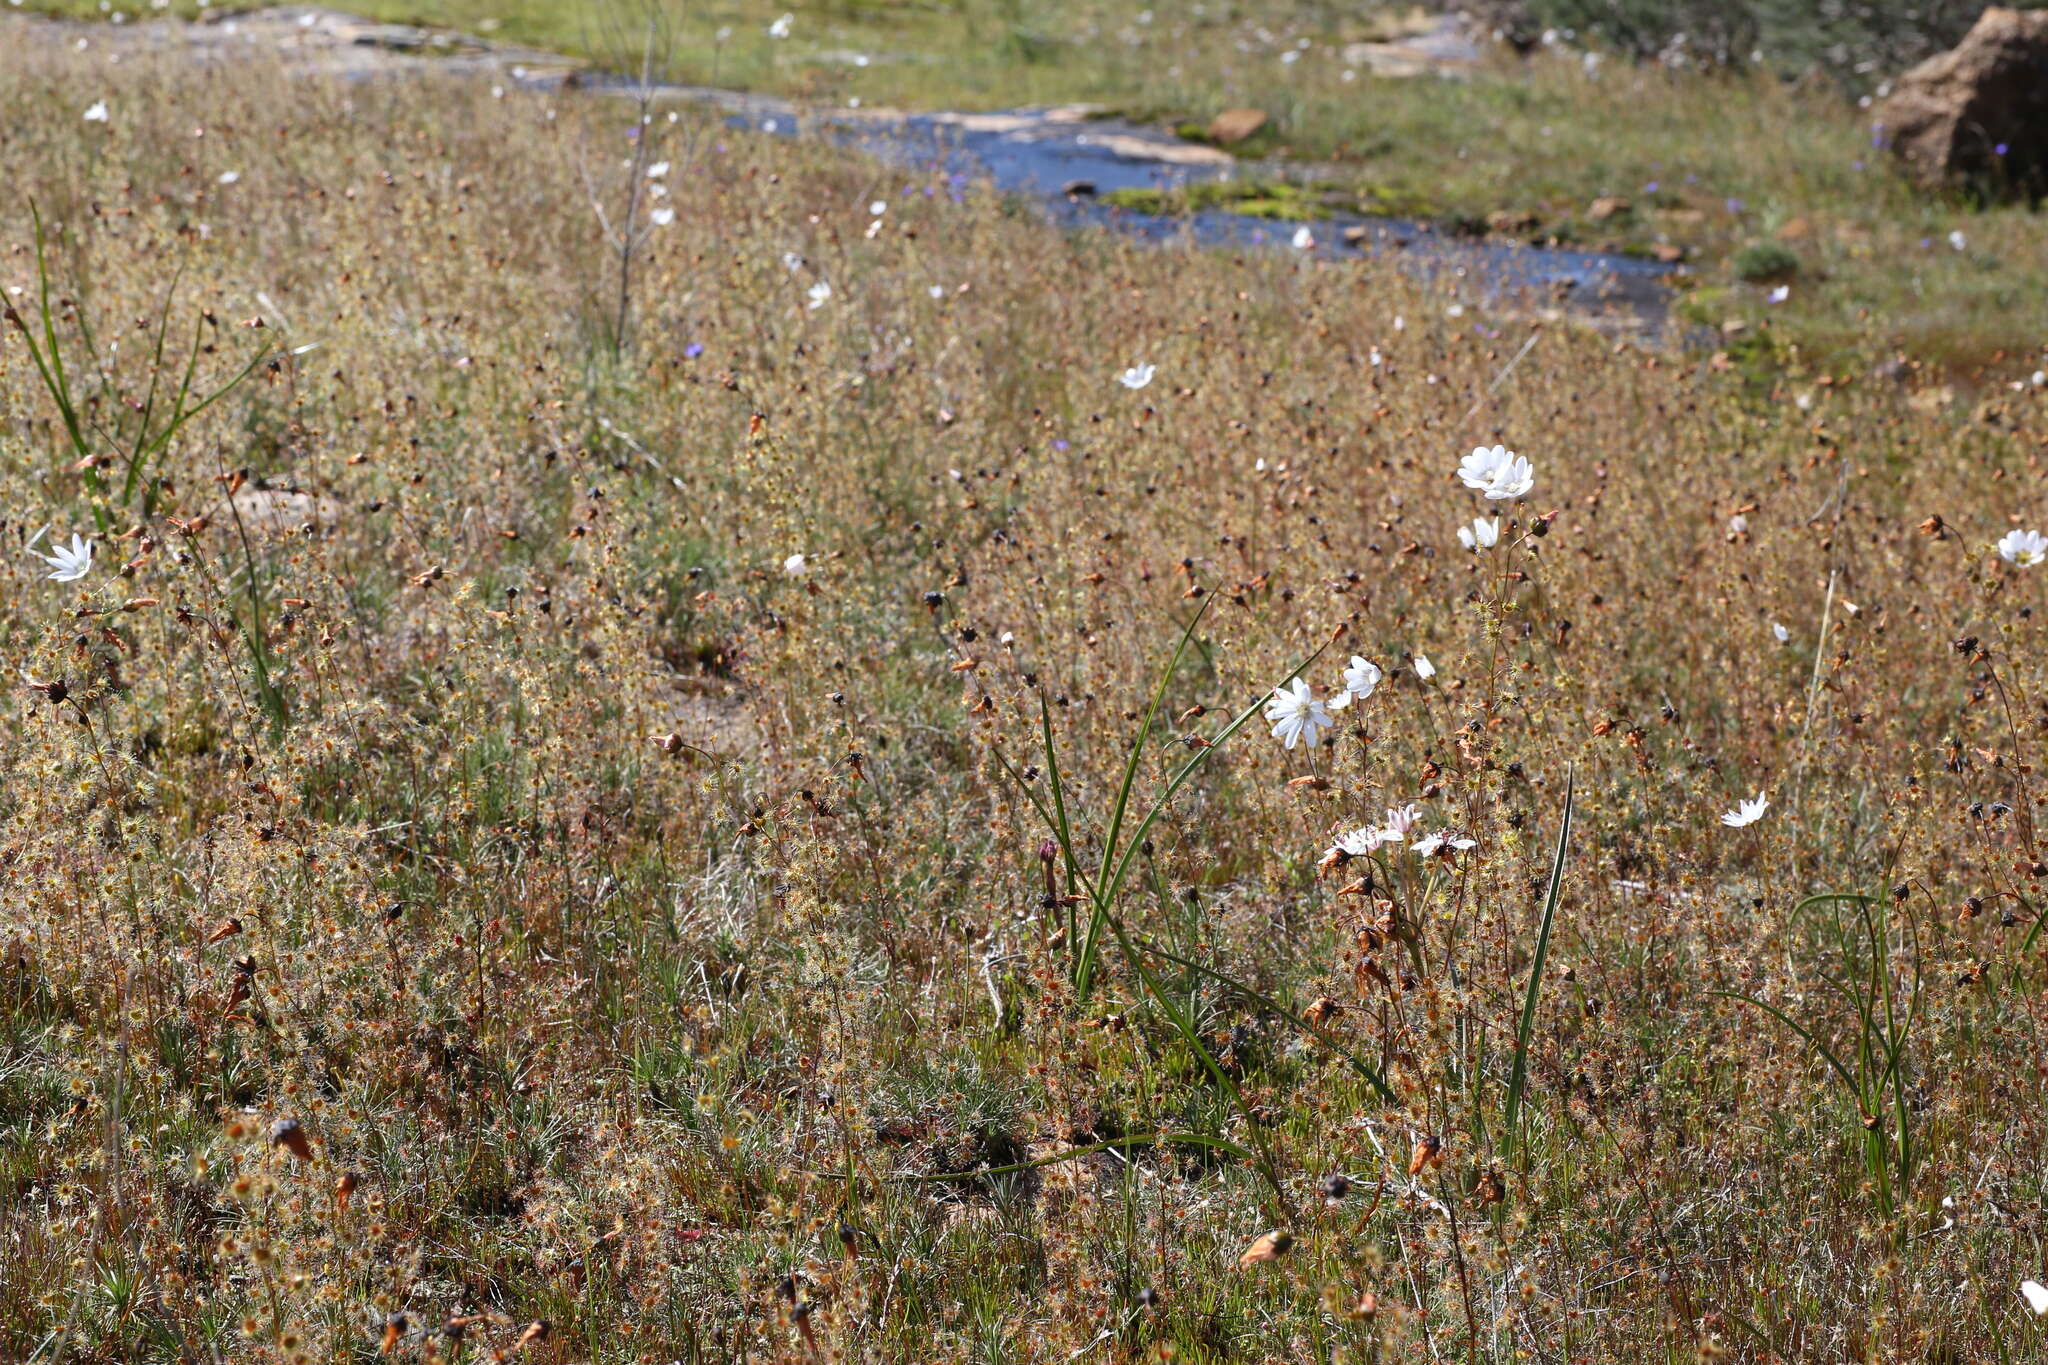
(646, 948)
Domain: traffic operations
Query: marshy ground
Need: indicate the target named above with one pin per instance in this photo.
(681, 764)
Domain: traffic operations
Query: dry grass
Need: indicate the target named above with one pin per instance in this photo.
(706, 1054)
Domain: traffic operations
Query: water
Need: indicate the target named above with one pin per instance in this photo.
(1040, 153)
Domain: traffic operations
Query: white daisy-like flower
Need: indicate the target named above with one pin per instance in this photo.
(1513, 480)
(1429, 845)
(1738, 525)
(1138, 376)
(1359, 680)
(1424, 669)
(1779, 294)
(1746, 812)
(1957, 241)
(1482, 534)
(792, 262)
(1403, 821)
(2024, 549)
(68, 563)
(1497, 472)
(2036, 1295)
(878, 208)
(1478, 469)
(1782, 635)
(228, 177)
(819, 294)
(1303, 239)
(796, 566)
(96, 112)
(657, 170)
(1295, 714)
(661, 217)
(781, 27)
(1370, 839)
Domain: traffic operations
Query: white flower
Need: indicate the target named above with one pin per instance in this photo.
(2036, 1296)
(1478, 468)
(1957, 240)
(1738, 525)
(937, 291)
(2023, 548)
(657, 170)
(878, 208)
(1402, 821)
(2041, 379)
(97, 113)
(1482, 534)
(1138, 376)
(792, 262)
(1513, 480)
(1783, 635)
(1779, 294)
(1360, 842)
(228, 177)
(1360, 679)
(67, 563)
(1303, 239)
(1431, 844)
(796, 566)
(1295, 714)
(1424, 669)
(1497, 472)
(1746, 812)
(780, 28)
(818, 294)
(661, 217)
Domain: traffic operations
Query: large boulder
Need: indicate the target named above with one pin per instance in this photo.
(1978, 111)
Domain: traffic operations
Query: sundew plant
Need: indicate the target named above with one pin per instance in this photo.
(818, 768)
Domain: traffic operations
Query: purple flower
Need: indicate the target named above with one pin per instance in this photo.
(1650, 188)
(1734, 205)
(1059, 445)
(2000, 150)
(693, 350)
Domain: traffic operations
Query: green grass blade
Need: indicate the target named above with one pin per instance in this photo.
(1520, 1077)
(1827, 1054)
(1357, 1063)
(1137, 754)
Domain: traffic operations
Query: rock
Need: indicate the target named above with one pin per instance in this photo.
(1932, 401)
(1235, 125)
(1667, 253)
(1511, 222)
(1948, 117)
(1356, 234)
(1078, 189)
(1608, 206)
(1796, 230)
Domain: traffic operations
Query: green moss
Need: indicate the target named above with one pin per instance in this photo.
(1252, 198)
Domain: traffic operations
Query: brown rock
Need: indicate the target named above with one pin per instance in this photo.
(1669, 253)
(1235, 125)
(1608, 206)
(1798, 229)
(1947, 116)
